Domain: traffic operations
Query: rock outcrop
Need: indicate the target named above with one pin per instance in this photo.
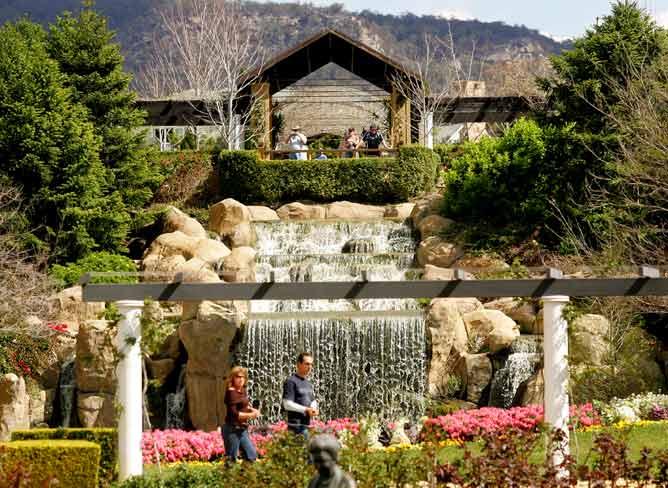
(207, 337)
(95, 370)
(14, 405)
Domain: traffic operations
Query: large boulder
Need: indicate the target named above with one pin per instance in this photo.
(14, 405)
(176, 220)
(210, 251)
(353, 211)
(224, 216)
(434, 273)
(520, 311)
(439, 252)
(299, 211)
(172, 244)
(262, 214)
(158, 268)
(207, 338)
(95, 362)
(589, 339)
(70, 309)
(239, 266)
(242, 235)
(494, 328)
(96, 410)
(196, 271)
(429, 204)
(433, 225)
(447, 338)
(475, 372)
(401, 211)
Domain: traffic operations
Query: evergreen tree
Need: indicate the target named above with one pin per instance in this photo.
(93, 64)
(50, 150)
(608, 57)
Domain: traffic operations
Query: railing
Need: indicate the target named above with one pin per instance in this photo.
(330, 153)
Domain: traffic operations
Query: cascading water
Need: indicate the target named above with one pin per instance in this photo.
(67, 386)
(522, 362)
(175, 407)
(370, 355)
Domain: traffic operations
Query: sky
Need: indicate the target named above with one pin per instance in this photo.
(557, 18)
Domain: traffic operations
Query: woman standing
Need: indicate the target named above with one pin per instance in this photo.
(239, 412)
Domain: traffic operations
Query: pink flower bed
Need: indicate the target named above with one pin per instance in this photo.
(182, 446)
(467, 424)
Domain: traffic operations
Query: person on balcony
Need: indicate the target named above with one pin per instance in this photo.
(373, 140)
(296, 141)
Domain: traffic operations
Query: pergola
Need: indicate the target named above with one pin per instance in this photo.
(331, 46)
(552, 288)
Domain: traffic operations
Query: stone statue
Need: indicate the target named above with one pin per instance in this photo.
(324, 451)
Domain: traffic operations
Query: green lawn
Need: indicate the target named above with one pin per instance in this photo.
(653, 436)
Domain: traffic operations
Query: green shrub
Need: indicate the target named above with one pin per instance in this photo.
(517, 180)
(72, 463)
(373, 180)
(69, 274)
(448, 152)
(104, 437)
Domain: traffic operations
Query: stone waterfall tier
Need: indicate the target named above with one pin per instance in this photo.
(363, 365)
(523, 360)
(313, 251)
(370, 355)
(330, 237)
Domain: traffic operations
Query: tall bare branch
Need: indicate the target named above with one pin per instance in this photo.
(211, 53)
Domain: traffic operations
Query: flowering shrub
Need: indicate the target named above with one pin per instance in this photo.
(172, 445)
(467, 424)
(659, 413)
(633, 408)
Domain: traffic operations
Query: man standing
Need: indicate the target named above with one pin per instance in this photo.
(298, 396)
(373, 140)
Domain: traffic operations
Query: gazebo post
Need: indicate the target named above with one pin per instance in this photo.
(555, 371)
(129, 374)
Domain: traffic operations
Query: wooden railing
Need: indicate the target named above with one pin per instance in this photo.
(330, 153)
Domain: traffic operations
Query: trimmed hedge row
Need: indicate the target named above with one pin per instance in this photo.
(73, 463)
(105, 438)
(374, 180)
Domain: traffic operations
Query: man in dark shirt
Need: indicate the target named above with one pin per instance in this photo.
(298, 397)
(373, 140)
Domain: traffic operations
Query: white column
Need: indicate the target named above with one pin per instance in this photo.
(129, 373)
(555, 353)
(429, 130)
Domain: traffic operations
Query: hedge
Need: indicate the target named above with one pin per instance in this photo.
(374, 180)
(105, 438)
(73, 463)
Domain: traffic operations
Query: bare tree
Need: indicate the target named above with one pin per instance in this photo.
(437, 76)
(210, 54)
(24, 303)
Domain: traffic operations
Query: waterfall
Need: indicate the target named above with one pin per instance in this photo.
(175, 404)
(67, 386)
(369, 355)
(523, 360)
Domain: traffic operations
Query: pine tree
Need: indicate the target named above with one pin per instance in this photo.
(84, 49)
(608, 57)
(50, 151)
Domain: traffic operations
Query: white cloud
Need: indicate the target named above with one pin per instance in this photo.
(454, 13)
(662, 18)
(555, 37)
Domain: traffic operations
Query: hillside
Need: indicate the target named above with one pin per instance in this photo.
(284, 24)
